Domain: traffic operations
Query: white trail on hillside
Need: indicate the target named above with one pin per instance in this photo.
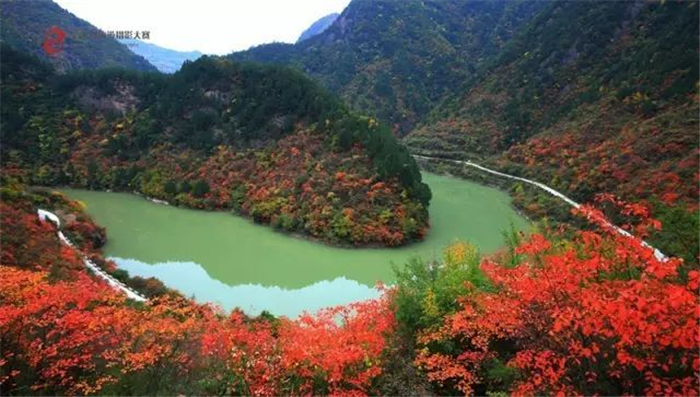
(658, 254)
(113, 282)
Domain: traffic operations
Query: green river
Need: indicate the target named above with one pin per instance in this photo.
(221, 258)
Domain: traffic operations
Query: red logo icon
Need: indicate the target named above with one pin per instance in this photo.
(53, 40)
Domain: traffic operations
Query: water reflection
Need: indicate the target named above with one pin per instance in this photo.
(251, 298)
(229, 260)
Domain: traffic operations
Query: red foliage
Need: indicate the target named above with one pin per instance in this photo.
(601, 316)
(636, 160)
(337, 351)
(596, 315)
(65, 332)
(32, 244)
(72, 334)
(298, 183)
(69, 333)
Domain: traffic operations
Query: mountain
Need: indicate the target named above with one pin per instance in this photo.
(166, 60)
(318, 27)
(32, 25)
(598, 85)
(588, 97)
(397, 59)
(585, 96)
(263, 141)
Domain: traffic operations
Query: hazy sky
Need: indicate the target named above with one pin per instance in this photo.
(210, 26)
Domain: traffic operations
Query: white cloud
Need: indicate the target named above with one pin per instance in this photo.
(210, 26)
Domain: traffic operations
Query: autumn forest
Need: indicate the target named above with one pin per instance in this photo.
(371, 143)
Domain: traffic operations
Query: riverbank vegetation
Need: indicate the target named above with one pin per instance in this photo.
(262, 141)
(587, 312)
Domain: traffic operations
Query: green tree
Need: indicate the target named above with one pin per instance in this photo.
(238, 197)
(185, 187)
(679, 236)
(93, 174)
(200, 188)
(170, 188)
(428, 290)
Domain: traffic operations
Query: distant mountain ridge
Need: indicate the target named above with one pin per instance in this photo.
(397, 59)
(165, 59)
(25, 24)
(318, 27)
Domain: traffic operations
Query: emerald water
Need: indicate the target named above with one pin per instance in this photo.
(221, 258)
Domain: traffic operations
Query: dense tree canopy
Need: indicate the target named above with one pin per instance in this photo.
(262, 140)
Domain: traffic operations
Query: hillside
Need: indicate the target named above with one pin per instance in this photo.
(396, 60)
(25, 24)
(263, 141)
(165, 59)
(589, 97)
(318, 27)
